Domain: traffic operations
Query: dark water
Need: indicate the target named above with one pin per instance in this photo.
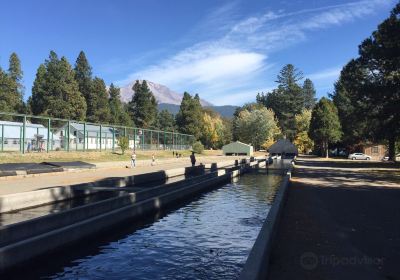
(208, 238)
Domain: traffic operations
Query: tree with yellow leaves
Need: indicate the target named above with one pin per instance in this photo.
(302, 140)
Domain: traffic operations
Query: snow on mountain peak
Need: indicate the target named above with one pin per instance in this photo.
(162, 94)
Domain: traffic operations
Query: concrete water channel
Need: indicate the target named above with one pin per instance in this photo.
(199, 224)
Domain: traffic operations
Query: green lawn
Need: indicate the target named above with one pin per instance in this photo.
(15, 157)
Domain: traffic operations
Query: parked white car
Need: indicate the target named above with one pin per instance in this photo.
(355, 156)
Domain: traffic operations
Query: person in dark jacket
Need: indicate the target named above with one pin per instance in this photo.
(193, 159)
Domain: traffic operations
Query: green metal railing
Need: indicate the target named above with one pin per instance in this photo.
(25, 133)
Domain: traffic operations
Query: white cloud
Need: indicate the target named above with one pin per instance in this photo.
(239, 97)
(202, 66)
(326, 74)
(234, 61)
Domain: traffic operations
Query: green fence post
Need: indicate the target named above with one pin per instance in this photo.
(48, 135)
(105, 140)
(84, 136)
(151, 139)
(134, 139)
(165, 137)
(142, 139)
(23, 135)
(2, 137)
(20, 139)
(68, 136)
(113, 139)
(100, 137)
(158, 140)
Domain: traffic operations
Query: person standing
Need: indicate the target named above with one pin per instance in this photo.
(153, 159)
(193, 159)
(133, 159)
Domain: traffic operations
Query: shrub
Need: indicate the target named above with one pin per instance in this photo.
(123, 143)
(198, 147)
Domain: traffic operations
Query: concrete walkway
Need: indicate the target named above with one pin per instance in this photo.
(339, 223)
(104, 170)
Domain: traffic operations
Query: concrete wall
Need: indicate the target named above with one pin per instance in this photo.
(256, 266)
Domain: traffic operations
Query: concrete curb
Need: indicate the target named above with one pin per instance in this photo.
(12, 202)
(256, 266)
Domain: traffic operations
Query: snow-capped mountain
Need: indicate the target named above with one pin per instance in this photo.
(162, 94)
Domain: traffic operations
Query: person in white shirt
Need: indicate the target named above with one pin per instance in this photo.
(133, 159)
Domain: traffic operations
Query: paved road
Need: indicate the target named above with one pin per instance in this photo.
(338, 224)
(112, 169)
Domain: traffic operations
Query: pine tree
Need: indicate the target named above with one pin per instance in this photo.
(368, 91)
(166, 121)
(325, 125)
(39, 98)
(287, 100)
(289, 76)
(7, 98)
(308, 94)
(11, 87)
(101, 110)
(83, 75)
(119, 115)
(143, 106)
(55, 91)
(15, 73)
(190, 116)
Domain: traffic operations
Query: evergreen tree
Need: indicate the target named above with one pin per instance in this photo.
(289, 76)
(15, 73)
(355, 125)
(143, 106)
(101, 110)
(287, 100)
(190, 116)
(368, 91)
(38, 100)
(55, 91)
(11, 87)
(83, 75)
(380, 56)
(325, 125)
(166, 121)
(308, 94)
(119, 115)
(7, 97)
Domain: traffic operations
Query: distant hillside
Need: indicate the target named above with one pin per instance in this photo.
(162, 94)
(225, 111)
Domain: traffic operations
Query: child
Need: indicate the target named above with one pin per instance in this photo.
(133, 159)
(153, 159)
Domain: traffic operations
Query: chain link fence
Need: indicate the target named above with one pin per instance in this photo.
(27, 133)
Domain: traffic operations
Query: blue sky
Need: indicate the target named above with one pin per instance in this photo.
(226, 51)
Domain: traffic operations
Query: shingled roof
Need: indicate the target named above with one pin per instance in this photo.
(283, 146)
